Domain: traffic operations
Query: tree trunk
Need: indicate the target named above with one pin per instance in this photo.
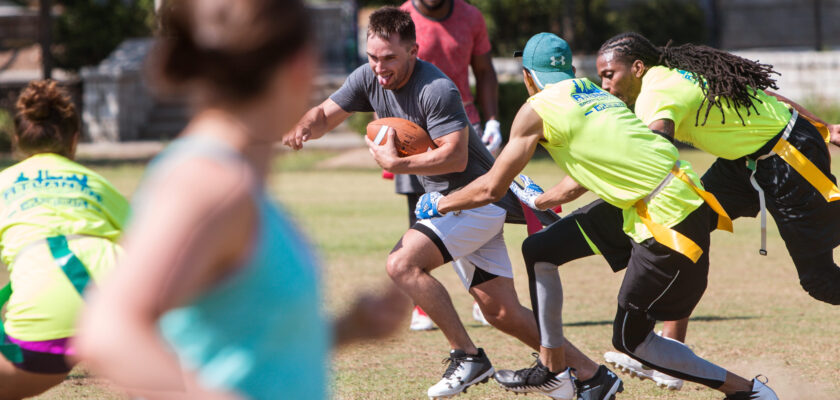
(45, 37)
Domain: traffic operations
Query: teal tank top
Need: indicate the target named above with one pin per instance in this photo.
(261, 332)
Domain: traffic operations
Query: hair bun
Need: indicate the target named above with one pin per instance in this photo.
(42, 98)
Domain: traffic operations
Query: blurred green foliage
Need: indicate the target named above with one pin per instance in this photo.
(358, 122)
(662, 20)
(511, 22)
(7, 127)
(88, 30)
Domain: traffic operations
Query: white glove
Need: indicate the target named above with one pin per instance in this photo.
(527, 194)
(492, 137)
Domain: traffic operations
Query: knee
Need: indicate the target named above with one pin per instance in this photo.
(399, 268)
(494, 315)
(630, 330)
(532, 249)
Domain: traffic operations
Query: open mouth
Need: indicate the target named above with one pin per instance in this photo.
(385, 79)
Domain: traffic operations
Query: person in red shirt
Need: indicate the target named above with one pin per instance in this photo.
(451, 34)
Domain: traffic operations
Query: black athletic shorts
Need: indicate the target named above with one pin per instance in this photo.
(43, 363)
(603, 224)
(807, 222)
(662, 282)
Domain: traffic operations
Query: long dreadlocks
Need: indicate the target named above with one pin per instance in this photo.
(724, 78)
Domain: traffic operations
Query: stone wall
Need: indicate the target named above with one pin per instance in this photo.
(116, 99)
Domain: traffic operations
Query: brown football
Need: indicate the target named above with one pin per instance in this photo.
(411, 138)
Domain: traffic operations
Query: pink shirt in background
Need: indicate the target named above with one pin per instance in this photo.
(450, 43)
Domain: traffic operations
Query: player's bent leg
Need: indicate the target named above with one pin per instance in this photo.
(500, 305)
(633, 335)
(671, 329)
(819, 276)
(458, 236)
(408, 266)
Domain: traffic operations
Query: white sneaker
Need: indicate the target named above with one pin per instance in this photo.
(478, 315)
(463, 371)
(625, 363)
(420, 321)
(760, 391)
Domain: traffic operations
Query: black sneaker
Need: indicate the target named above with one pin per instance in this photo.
(603, 386)
(538, 379)
(463, 371)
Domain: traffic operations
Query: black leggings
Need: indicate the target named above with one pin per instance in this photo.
(633, 335)
(557, 244)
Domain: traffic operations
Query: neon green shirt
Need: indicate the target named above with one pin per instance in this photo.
(48, 195)
(598, 141)
(674, 94)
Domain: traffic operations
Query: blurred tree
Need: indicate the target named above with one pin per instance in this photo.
(662, 20)
(511, 22)
(88, 30)
(585, 24)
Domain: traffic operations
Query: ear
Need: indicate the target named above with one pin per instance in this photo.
(638, 68)
(529, 83)
(574, 70)
(413, 49)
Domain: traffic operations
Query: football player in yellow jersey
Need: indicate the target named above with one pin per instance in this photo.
(59, 223)
(770, 150)
(667, 215)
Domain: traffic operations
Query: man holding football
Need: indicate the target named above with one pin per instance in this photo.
(395, 83)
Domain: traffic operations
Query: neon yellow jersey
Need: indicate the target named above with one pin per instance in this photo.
(48, 195)
(598, 141)
(676, 95)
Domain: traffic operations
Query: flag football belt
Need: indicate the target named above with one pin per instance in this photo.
(73, 269)
(800, 164)
(670, 238)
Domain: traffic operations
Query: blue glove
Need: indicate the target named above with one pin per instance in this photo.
(527, 194)
(427, 206)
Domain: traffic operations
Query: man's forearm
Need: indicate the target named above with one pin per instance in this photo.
(443, 160)
(479, 192)
(565, 191)
(487, 94)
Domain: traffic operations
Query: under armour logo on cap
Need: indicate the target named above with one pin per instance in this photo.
(554, 61)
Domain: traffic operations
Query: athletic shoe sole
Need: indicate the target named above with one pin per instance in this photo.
(533, 389)
(641, 376)
(483, 378)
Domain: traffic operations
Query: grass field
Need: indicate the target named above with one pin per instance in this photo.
(754, 318)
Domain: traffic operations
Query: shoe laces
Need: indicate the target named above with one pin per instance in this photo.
(454, 364)
(535, 373)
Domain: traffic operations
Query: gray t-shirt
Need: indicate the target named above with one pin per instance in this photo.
(432, 101)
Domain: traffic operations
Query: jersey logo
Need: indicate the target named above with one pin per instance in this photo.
(555, 61)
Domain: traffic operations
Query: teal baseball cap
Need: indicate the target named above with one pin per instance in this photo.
(548, 58)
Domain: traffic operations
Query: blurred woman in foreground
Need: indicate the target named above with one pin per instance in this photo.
(59, 222)
(213, 270)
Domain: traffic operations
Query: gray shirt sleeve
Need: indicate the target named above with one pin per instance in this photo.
(444, 109)
(353, 96)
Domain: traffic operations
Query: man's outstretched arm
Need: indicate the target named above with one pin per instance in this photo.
(315, 123)
(525, 133)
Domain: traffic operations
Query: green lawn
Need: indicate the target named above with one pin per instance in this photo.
(754, 318)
